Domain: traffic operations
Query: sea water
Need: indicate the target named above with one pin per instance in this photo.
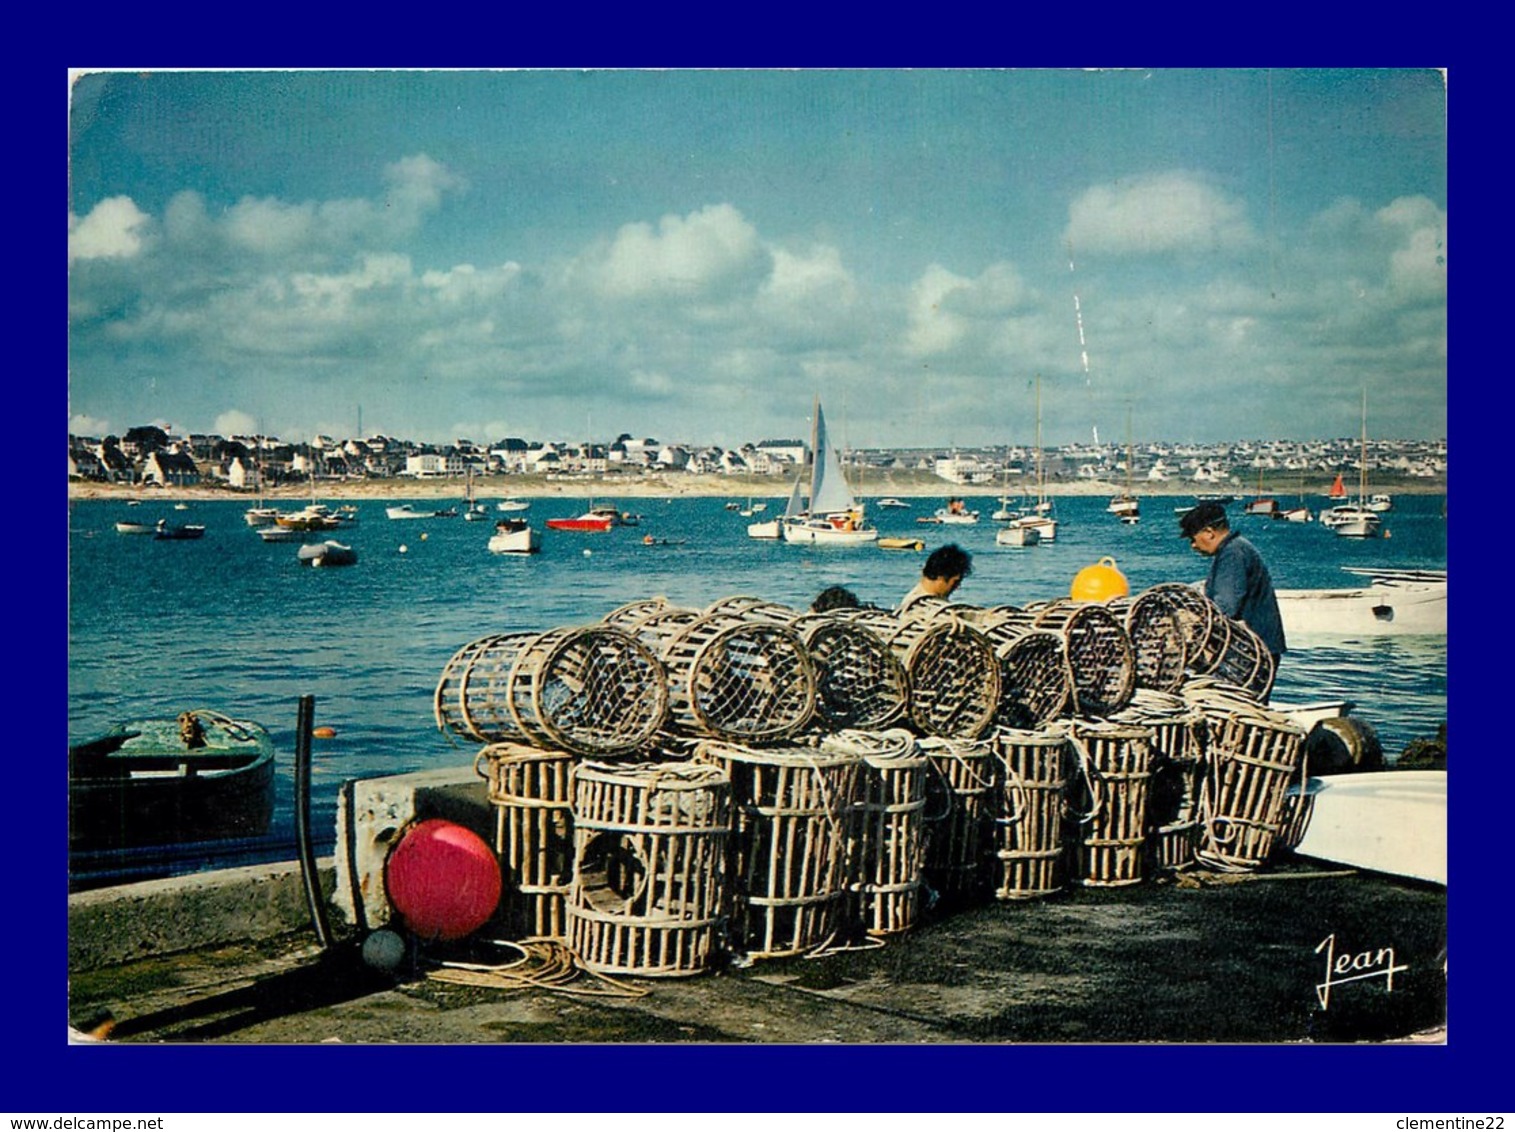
(232, 623)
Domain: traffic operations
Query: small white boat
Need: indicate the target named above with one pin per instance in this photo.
(260, 516)
(1044, 525)
(1352, 520)
(513, 505)
(1299, 514)
(1393, 602)
(328, 553)
(1018, 536)
(892, 502)
(771, 529)
(514, 536)
(1380, 503)
(281, 534)
(178, 530)
(1392, 821)
(126, 528)
(410, 511)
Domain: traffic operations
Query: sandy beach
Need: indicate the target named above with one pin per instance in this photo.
(907, 484)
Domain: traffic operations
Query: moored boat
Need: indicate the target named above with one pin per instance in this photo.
(125, 527)
(411, 511)
(830, 515)
(1013, 535)
(194, 777)
(890, 501)
(167, 530)
(597, 518)
(513, 505)
(1398, 602)
(1390, 821)
(260, 516)
(328, 553)
(316, 517)
(514, 536)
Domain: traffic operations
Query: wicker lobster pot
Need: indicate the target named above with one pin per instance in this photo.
(1029, 840)
(1110, 793)
(1253, 755)
(860, 683)
(962, 798)
(1034, 676)
(648, 886)
(787, 859)
(1246, 662)
(1207, 630)
(887, 857)
(1178, 730)
(593, 691)
(1158, 640)
(654, 622)
(747, 681)
(529, 789)
(953, 673)
(1101, 666)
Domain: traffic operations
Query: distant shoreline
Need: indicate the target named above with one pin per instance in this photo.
(680, 486)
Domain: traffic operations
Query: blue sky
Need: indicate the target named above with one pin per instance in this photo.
(692, 255)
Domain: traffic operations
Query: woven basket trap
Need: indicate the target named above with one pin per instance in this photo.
(1158, 641)
(860, 683)
(962, 798)
(1110, 795)
(953, 673)
(1206, 629)
(529, 789)
(593, 691)
(743, 681)
(787, 859)
(649, 867)
(1101, 667)
(1029, 839)
(886, 830)
(1034, 674)
(1253, 757)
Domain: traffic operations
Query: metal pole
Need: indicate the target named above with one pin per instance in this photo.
(313, 898)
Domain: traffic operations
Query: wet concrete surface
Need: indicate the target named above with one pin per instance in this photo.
(1203, 958)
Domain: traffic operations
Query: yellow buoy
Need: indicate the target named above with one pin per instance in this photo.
(324, 733)
(1099, 582)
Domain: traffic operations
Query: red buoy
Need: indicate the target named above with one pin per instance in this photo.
(443, 880)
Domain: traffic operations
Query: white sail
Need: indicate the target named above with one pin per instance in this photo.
(828, 487)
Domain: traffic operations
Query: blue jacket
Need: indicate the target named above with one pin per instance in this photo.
(1240, 584)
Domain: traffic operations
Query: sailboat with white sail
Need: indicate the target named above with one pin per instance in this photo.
(1125, 506)
(829, 514)
(1041, 519)
(1356, 520)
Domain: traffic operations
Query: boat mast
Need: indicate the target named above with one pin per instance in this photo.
(1362, 467)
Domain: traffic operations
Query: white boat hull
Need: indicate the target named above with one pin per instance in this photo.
(1018, 536)
(824, 534)
(1387, 608)
(525, 541)
(1045, 528)
(772, 529)
(1392, 821)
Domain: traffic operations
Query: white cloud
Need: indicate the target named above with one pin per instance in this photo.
(82, 424)
(1156, 214)
(710, 254)
(114, 229)
(234, 422)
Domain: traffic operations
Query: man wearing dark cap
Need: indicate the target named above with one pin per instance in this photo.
(1239, 581)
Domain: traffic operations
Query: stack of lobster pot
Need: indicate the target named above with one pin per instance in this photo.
(887, 846)
(1206, 630)
(648, 893)
(1178, 736)
(1029, 826)
(962, 801)
(954, 676)
(1109, 798)
(787, 861)
(1101, 665)
(1252, 755)
(539, 701)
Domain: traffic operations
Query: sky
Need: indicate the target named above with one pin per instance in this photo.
(694, 255)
